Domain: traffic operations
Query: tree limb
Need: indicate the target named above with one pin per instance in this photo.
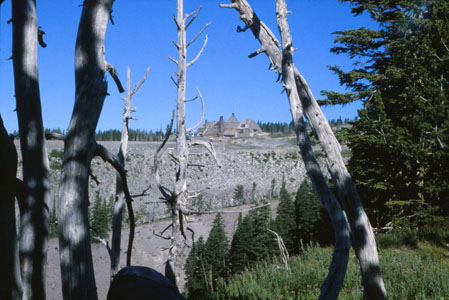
(138, 85)
(101, 151)
(156, 154)
(111, 69)
(210, 147)
(191, 212)
(198, 34)
(199, 53)
(193, 14)
(202, 113)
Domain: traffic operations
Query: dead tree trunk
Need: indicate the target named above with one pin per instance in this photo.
(77, 274)
(119, 194)
(11, 287)
(301, 100)
(36, 181)
(177, 197)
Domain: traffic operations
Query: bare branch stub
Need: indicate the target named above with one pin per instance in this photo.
(111, 69)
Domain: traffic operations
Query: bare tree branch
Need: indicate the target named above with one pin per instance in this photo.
(94, 178)
(202, 113)
(282, 249)
(111, 69)
(198, 34)
(193, 14)
(210, 147)
(199, 53)
(172, 59)
(191, 212)
(54, 136)
(174, 81)
(138, 85)
(101, 151)
(156, 154)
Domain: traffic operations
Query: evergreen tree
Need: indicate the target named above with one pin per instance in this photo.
(196, 286)
(264, 243)
(241, 245)
(99, 221)
(312, 221)
(216, 248)
(285, 222)
(239, 194)
(399, 142)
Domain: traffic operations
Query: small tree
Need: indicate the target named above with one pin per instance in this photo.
(285, 224)
(195, 271)
(264, 243)
(216, 248)
(312, 222)
(99, 221)
(241, 245)
(239, 194)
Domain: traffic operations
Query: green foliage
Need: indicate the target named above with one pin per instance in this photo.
(56, 154)
(253, 193)
(216, 248)
(197, 282)
(407, 275)
(240, 253)
(285, 222)
(239, 194)
(401, 73)
(133, 135)
(312, 220)
(100, 218)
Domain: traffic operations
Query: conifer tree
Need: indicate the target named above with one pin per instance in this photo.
(216, 248)
(99, 222)
(285, 222)
(197, 283)
(312, 221)
(399, 142)
(241, 245)
(264, 243)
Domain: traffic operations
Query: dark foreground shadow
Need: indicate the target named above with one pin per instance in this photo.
(142, 283)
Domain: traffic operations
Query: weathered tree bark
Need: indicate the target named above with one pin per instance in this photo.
(301, 100)
(36, 181)
(11, 287)
(119, 194)
(177, 197)
(77, 274)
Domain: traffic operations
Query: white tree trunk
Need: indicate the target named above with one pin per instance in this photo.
(78, 280)
(301, 100)
(36, 180)
(11, 287)
(119, 194)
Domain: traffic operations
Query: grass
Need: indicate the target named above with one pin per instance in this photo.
(421, 273)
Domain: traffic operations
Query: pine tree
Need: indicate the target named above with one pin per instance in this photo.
(312, 221)
(399, 155)
(241, 245)
(264, 243)
(239, 194)
(99, 221)
(285, 222)
(216, 248)
(196, 286)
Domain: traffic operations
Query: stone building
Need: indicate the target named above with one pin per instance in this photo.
(229, 128)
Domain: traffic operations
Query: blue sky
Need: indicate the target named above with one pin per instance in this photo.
(142, 36)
